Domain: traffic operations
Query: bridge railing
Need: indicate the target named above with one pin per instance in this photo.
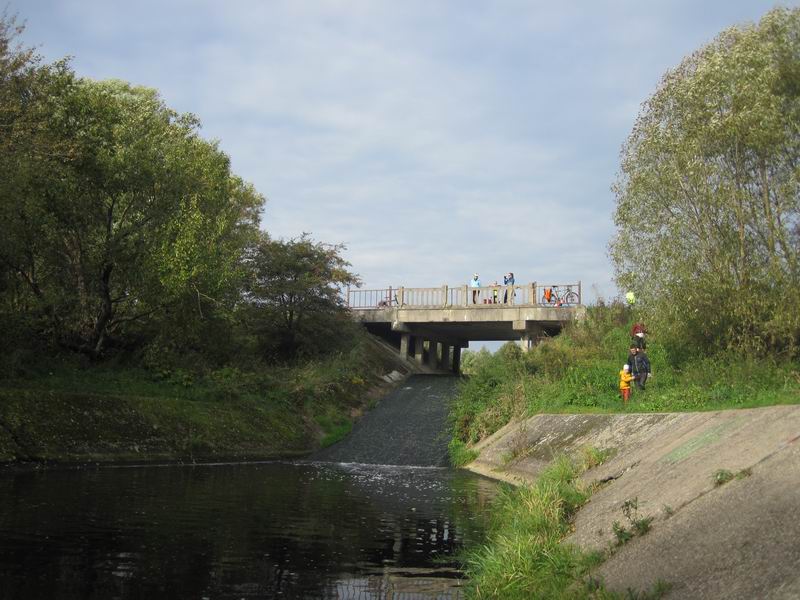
(532, 294)
(362, 299)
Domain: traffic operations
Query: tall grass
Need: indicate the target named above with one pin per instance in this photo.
(577, 371)
(524, 556)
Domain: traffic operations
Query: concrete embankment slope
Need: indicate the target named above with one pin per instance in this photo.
(738, 539)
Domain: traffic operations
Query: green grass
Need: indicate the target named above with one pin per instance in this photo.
(577, 372)
(460, 454)
(335, 426)
(525, 556)
(68, 412)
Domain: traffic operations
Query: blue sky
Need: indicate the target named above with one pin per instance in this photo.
(434, 139)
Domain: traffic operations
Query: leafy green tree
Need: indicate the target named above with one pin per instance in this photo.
(294, 296)
(708, 209)
(115, 208)
(28, 92)
(473, 360)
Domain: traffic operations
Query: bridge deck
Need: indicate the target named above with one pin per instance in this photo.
(462, 314)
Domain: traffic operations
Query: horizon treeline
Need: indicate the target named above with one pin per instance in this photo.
(124, 233)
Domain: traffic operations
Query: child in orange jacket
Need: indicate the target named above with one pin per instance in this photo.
(625, 379)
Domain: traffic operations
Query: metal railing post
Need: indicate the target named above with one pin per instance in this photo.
(580, 295)
(465, 291)
(532, 293)
(445, 301)
(400, 295)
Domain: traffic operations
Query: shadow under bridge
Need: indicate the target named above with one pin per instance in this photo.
(431, 325)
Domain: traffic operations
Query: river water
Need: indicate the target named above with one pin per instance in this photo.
(232, 531)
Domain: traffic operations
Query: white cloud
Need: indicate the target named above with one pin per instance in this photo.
(435, 139)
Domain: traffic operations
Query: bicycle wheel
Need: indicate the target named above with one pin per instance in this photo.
(571, 298)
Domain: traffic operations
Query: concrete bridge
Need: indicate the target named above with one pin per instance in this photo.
(432, 325)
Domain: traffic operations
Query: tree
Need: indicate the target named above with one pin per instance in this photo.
(708, 210)
(115, 208)
(294, 295)
(28, 90)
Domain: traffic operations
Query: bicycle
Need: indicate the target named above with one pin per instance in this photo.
(388, 303)
(554, 297)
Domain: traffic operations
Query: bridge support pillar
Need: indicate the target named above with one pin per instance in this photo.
(405, 342)
(446, 363)
(457, 360)
(433, 354)
(531, 336)
(419, 349)
(525, 342)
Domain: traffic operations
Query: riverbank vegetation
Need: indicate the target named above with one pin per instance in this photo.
(708, 241)
(577, 371)
(524, 556)
(133, 269)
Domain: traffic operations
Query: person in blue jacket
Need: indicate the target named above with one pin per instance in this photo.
(508, 280)
(475, 284)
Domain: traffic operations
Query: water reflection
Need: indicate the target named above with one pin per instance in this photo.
(291, 530)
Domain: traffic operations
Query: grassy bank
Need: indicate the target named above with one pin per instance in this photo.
(524, 556)
(112, 413)
(578, 372)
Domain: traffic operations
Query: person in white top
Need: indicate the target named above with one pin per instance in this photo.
(475, 284)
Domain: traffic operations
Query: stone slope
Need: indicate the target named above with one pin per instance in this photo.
(407, 427)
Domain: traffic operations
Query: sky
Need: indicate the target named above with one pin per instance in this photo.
(435, 139)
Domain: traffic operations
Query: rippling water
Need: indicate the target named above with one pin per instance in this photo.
(268, 530)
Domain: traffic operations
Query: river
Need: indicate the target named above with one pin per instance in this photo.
(233, 531)
(329, 527)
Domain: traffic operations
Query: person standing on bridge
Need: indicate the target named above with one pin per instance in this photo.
(475, 284)
(508, 280)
